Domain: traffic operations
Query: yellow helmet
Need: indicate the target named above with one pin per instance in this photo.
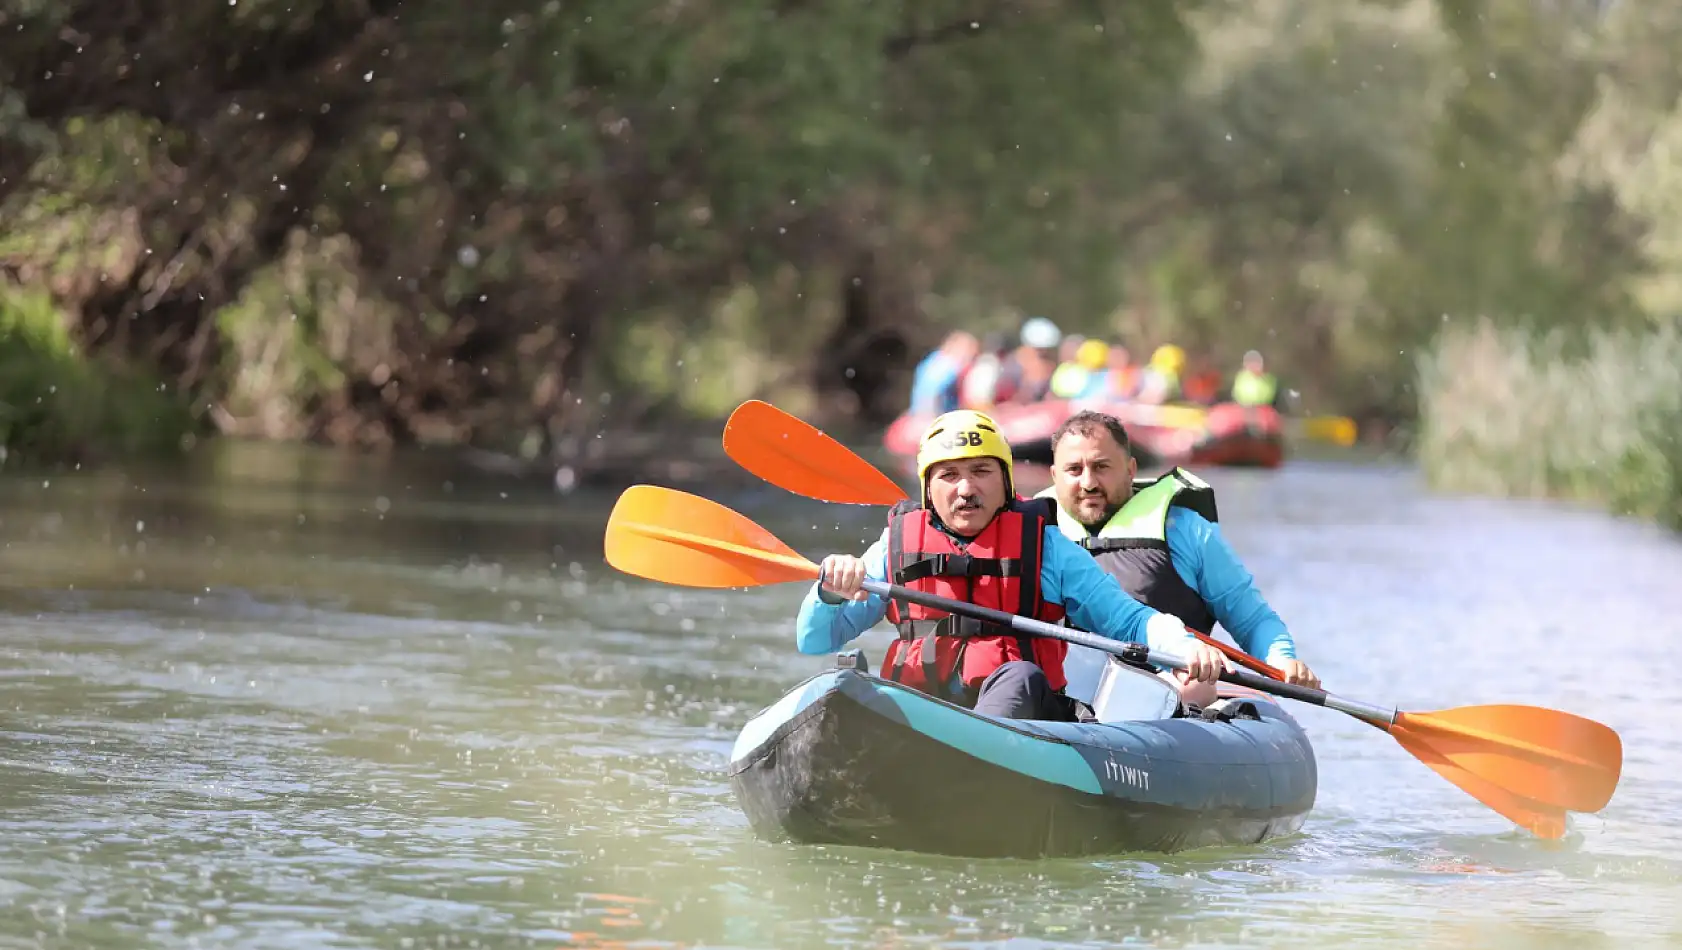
(1168, 357)
(963, 434)
(1093, 354)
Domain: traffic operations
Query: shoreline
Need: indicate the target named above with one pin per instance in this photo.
(670, 453)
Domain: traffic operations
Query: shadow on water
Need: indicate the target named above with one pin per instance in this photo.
(291, 697)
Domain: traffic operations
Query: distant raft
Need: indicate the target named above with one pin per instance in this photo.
(1237, 436)
(849, 758)
(1225, 434)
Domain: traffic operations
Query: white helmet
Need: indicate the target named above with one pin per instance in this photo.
(1041, 334)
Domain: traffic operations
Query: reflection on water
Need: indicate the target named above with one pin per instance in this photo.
(305, 699)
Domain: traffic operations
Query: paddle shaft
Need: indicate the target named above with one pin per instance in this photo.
(1377, 715)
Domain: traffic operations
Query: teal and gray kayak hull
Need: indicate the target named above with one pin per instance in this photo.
(850, 758)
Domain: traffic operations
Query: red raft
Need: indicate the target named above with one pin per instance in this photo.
(1225, 434)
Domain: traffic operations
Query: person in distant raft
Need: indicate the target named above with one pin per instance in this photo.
(1160, 381)
(1159, 540)
(1254, 385)
(972, 539)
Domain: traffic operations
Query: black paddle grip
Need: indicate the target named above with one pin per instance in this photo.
(937, 602)
(1306, 694)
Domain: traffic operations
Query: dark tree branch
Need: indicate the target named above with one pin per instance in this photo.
(904, 45)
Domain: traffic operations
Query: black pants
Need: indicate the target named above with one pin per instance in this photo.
(1019, 690)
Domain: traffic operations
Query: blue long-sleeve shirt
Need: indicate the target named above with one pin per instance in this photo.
(1068, 576)
(934, 384)
(1208, 565)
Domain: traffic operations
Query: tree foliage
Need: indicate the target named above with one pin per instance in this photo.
(385, 220)
(398, 215)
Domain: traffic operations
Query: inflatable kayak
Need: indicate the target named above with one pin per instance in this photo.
(1226, 434)
(852, 759)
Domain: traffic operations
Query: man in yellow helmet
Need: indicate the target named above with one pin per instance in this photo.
(1159, 540)
(1160, 382)
(1254, 385)
(971, 538)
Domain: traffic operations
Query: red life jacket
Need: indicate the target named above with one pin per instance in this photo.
(949, 656)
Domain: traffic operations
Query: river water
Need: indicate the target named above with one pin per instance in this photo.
(300, 699)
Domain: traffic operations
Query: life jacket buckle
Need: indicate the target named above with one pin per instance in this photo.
(967, 627)
(956, 565)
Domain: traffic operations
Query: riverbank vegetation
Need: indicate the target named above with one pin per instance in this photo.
(1555, 415)
(519, 225)
(1568, 394)
(57, 403)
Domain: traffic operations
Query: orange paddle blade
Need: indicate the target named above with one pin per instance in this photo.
(1545, 819)
(1541, 754)
(1542, 819)
(678, 538)
(796, 456)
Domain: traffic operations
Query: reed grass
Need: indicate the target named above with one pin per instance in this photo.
(1505, 411)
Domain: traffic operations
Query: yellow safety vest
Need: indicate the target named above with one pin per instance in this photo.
(1254, 389)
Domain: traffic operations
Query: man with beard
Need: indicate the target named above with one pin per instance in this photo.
(972, 539)
(1159, 540)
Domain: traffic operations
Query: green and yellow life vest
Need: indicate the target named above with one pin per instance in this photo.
(1069, 380)
(1254, 389)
